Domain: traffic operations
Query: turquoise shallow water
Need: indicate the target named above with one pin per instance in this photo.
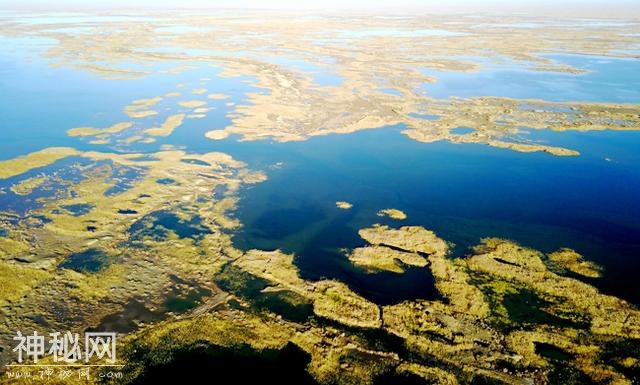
(463, 192)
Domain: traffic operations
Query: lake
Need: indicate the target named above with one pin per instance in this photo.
(462, 192)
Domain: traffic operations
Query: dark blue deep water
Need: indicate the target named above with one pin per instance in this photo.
(462, 192)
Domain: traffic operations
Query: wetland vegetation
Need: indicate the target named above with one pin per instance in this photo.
(336, 208)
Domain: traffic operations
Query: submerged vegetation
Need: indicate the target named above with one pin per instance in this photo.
(506, 313)
(99, 249)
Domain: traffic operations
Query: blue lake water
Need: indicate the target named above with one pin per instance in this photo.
(461, 130)
(391, 91)
(608, 80)
(40, 103)
(463, 192)
(424, 116)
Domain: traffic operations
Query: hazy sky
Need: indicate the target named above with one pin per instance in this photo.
(59, 4)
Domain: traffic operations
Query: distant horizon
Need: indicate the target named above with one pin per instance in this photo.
(609, 7)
